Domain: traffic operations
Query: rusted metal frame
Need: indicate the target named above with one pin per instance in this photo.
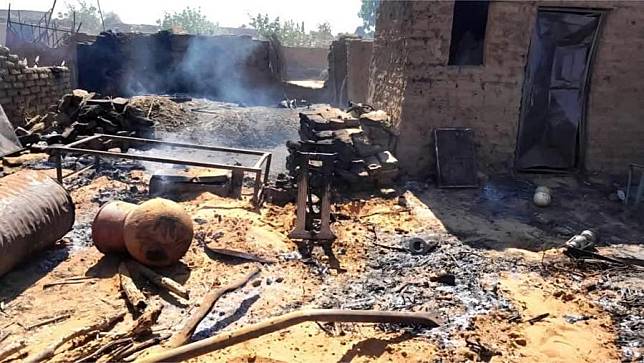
(68, 150)
(182, 144)
(59, 151)
(271, 325)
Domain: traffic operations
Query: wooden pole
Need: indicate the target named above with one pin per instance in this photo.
(100, 12)
(132, 293)
(157, 279)
(271, 325)
(183, 335)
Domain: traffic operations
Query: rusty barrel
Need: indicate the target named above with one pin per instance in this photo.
(107, 227)
(158, 232)
(35, 212)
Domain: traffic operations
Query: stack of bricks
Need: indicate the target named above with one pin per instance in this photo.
(28, 91)
(360, 140)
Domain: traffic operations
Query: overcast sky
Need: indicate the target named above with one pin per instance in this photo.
(341, 14)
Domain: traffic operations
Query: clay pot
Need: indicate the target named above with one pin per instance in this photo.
(158, 232)
(107, 227)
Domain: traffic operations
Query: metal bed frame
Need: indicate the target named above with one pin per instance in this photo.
(262, 164)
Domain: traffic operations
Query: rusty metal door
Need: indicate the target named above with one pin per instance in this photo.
(551, 126)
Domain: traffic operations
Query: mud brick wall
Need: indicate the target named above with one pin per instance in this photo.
(349, 60)
(28, 91)
(305, 63)
(231, 68)
(410, 79)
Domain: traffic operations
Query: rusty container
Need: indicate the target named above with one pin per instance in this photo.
(158, 232)
(35, 212)
(107, 227)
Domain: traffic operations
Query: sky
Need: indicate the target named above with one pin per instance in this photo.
(341, 14)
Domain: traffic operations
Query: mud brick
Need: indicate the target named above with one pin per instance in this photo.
(14, 72)
(21, 77)
(364, 146)
(18, 85)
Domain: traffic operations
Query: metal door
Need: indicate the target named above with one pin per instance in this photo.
(555, 91)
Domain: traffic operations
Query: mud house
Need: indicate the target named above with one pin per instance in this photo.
(545, 86)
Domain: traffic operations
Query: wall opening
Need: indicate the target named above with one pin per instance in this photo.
(469, 22)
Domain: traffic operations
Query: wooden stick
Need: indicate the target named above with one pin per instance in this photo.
(183, 335)
(157, 279)
(11, 349)
(100, 350)
(238, 254)
(271, 325)
(50, 320)
(140, 346)
(64, 282)
(132, 293)
(86, 330)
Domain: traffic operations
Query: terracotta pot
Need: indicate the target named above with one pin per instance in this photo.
(158, 232)
(107, 228)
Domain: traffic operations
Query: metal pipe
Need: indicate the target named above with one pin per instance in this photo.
(78, 171)
(183, 144)
(35, 212)
(271, 325)
(152, 158)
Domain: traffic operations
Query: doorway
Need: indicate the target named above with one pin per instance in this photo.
(553, 106)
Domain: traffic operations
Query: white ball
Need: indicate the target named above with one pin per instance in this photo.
(542, 199)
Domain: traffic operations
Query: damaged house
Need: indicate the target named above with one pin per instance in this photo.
(544, 85)
(452, 190)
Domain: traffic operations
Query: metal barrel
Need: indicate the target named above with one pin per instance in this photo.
(35, 212)
(107, 228)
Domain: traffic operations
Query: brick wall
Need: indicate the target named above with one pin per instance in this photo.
(27, 91)
(411, 80)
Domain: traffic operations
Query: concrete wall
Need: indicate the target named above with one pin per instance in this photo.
(411, 80)
(27, 91)
(305, 63)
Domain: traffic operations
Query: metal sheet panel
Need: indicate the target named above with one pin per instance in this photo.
(455, 158)
(9, 143)
(555, 91)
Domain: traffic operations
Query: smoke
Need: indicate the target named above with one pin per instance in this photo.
(227, 68)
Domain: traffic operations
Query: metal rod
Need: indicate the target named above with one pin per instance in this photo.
(153, 159)
(259, 162)
(257, 188)
(78, 171)
(59, 168)
(82, 141)
(183, 144)
(268, 168)
(274, 324)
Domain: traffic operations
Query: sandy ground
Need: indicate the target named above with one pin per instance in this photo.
(504, 251)
(291, 284)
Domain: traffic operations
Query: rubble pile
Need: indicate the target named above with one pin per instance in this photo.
(168, 114)
(361, 139)
(84, 113)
